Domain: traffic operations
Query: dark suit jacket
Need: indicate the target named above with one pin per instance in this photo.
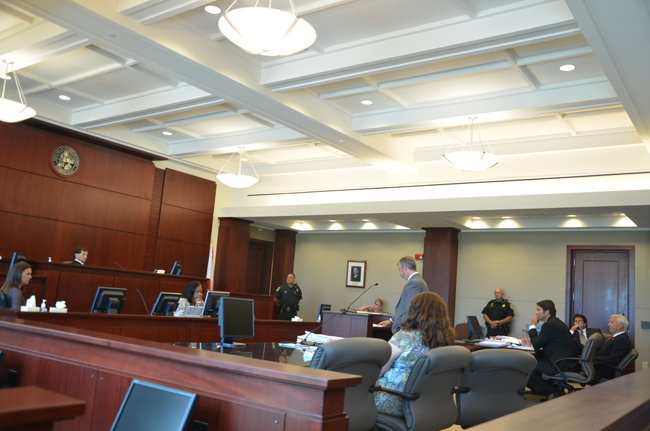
(557, 341)
(412, 287)
(611, 352)
(74, 262)
(590, 332)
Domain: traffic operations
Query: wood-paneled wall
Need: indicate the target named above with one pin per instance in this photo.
(105, 206)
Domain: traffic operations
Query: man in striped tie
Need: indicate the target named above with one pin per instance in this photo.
(614, 348)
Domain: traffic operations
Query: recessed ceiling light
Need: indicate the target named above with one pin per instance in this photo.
(476, 218)
(212, 9)
(571, 215)
(333, 221)
(506, 217)
(64, 97)
(367, 102)
(3, 76)
(567, 67)
(365, 219)
(167, 133)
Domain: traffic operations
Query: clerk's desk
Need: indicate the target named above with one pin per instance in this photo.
(165, 329)
(343, 324)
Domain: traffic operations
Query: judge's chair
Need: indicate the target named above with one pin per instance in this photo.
(493, 386)
(364, 357)
(427, 400)
(587, 372)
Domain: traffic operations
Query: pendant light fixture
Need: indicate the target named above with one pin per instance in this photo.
(10, 111)
(238, 180)
(467, 159)
(267, 31)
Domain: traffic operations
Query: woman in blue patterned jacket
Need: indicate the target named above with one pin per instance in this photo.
(427, 326)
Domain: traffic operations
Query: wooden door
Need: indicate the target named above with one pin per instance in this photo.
(601, 283)
(258, 270)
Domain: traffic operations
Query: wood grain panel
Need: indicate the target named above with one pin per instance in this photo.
(180, 224)
(27, 148)
(194, 258)
(110, 393)
(78, 290)
(154, 334)
(150, 288)
(283, 257)
(58, 199)
(154, 220)
(439, 268)
(190, 192)
(42, 238)
(72, 380)
(232, 255)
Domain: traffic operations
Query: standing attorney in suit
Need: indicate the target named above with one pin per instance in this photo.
(614, 348)
(80, 256)
(580, 331)
(557, 342)
(414, 285)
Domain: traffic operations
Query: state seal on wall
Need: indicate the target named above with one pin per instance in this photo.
(65, 161)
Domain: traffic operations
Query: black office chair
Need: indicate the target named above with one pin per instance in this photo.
(493, 386)
(620, 367)
(361, 356)
(587, 372)
(427, 400)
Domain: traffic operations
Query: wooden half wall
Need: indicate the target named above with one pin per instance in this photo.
(117, 204)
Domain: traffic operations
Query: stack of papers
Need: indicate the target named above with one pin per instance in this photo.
(511, 340)
(493, 343)
(316, 338)
(530, 348)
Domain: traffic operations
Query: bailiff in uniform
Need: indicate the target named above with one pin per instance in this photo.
(288, 297)
(498, 315)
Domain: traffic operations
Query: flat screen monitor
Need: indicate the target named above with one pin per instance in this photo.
(236, 320)
(18, 257)
(211, 307)
(321, 308)
(108, 300)
(474, 328)
(176, 269)
(147, 406)
(166, 304)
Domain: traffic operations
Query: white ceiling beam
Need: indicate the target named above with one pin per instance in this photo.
(159, 11)
(538, 23)
(524, 74)
(162, 103)
(210, 145)
(488, 108)
(615, 30)
(570, 129)
(101, 51)
(16, 13)
(468, 8)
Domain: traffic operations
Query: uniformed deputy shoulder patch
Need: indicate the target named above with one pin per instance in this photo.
(278, 288)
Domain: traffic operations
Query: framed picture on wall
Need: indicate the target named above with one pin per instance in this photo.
(356, 275)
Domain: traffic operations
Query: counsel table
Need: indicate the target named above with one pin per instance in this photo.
(35, 409)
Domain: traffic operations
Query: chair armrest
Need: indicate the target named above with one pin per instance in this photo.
(458, 390)
(524, 392)
(609, 365)
(404, 395)
(564, 359)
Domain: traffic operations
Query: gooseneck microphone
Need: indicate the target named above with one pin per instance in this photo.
(344, 311)
(143, 301)
(347, 309)
(117, 264)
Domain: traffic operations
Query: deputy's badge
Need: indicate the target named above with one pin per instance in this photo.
(504, 305)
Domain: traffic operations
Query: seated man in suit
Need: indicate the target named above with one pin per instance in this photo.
(80, 256)
(557, 342)
(580, 330)
(614, 348)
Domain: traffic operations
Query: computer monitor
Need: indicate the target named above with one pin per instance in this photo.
(474, 328)
(236, 320)
(321, 308)
(211, 307)
(166, 304)
(18, 257)
(148, 406)
(176, 269)
(108, 300)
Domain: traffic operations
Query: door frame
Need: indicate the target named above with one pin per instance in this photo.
(630, 277)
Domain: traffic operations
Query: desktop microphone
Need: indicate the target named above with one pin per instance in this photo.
(305, 340)
(143, 301)
(117, 264)
(348, 310)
